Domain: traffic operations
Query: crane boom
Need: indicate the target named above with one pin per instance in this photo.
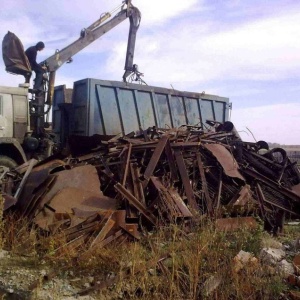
(86, 38)
(89, 35)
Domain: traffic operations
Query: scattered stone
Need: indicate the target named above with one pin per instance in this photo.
(91, 279)
(271, 256)
(211, 284)
(152, 272)
(295, 245)
(87, 285)
(43, 272)
(4, 254)
(293, 223)
(243, 258)
(285, 268)
(111, 275)
(270, 270)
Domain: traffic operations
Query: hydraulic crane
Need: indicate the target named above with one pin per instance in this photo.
(88, 35)
(40, 103)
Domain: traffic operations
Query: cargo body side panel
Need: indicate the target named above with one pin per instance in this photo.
(62, 113)
(113, 107)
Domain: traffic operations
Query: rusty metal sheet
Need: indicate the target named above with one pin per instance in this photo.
(83, 214)
(100, 201)
(243, 197)
(226, 160)
(34, 204)
(51, 165)
(119, 217)
(34, 180)
(44, 219)
(76, 202)
(31, 164)
(231, 224)
(296, 189)
(9, 201)
(82, 177)
(70, 197)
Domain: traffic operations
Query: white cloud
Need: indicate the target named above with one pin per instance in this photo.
(157, 12)
(272, 123)
(264, 50)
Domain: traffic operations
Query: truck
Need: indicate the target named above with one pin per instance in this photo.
(24, 112)
(93, 106)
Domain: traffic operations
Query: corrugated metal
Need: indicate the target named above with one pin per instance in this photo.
(112, 107)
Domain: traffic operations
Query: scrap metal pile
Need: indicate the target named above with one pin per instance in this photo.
(112, 188)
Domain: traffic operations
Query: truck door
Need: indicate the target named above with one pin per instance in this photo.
(6, 111)
(6, 114)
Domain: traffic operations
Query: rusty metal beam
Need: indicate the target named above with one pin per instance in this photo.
(284, 191)
(136, 203)
(154, 159)
(137, 184)
(128, 154)
(176, 205)
(104, 231)
(185, 180)
(171, 161)
(204, 183)
(218, 199)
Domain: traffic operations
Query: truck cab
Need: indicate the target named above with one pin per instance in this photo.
(14, 124)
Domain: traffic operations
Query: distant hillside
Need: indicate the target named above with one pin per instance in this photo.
(286, 147)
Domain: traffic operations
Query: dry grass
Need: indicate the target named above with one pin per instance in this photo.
(166, 264)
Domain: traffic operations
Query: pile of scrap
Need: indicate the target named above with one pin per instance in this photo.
(111, 187)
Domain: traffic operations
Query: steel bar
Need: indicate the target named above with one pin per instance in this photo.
(128, 154)
(137, 184)
(154, 159)
(204, 183)
(185, 180)
(136, 203)
(171, 161)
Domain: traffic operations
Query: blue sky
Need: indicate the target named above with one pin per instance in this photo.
(246, 50)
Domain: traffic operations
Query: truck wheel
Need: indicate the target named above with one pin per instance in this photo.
(6, 183)
(7, 162)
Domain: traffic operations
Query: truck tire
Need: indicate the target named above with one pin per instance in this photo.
(7, 162)
(6, 183)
